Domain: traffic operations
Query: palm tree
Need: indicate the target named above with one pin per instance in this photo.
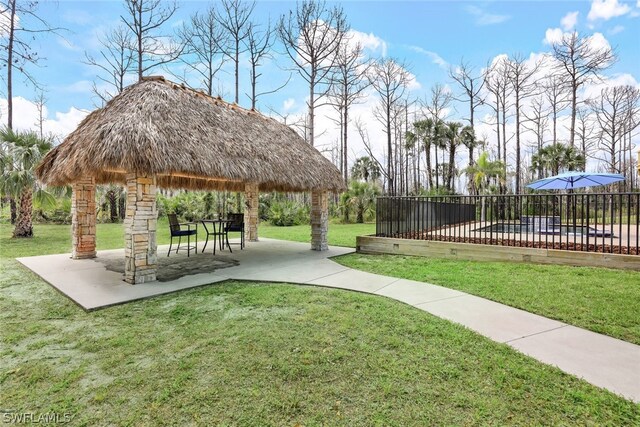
(439, 140)
(423, 130)
(468, 139)
(554, 158)
(483, 171)
(452, 138)
(366, 169)
(21, 152)
(362, 197)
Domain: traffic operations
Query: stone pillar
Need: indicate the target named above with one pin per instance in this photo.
(319, 220)
(83, 222)
(140, 247)
(251, 204)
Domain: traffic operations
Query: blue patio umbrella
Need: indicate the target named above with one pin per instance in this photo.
(571, 180)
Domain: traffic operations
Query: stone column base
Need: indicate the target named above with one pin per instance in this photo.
(319, 220)
(83, 222)
(140, 230)
(251, 214)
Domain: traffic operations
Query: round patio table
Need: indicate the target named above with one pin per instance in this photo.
(218, 230)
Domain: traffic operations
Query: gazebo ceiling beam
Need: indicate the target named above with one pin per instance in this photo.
(179, 175)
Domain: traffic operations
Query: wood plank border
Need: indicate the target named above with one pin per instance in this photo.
(477, 252)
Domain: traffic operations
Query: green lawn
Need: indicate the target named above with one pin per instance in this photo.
(602, 300)
(241, 353)
(339, 234)
(51, 239)
(272, 354)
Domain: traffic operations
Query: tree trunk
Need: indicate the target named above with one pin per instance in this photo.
(312, 86)
(452, 160)
(13, 208)
(390, 154)
(344, 142)
(574, 104)
(113, 205)
(10, 65)
(236, 62)
(24, 226)
(517, 143)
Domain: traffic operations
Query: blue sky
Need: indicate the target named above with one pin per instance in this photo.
(428, 35)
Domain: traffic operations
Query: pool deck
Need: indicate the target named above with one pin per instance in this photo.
(625, 235)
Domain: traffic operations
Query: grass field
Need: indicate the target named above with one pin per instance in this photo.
(52, 238)
(599, 299)
(257, 354)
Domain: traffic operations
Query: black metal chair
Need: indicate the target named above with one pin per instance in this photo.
(177, 231)
(236, 225)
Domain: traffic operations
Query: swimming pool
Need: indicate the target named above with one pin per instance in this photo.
(552, 230)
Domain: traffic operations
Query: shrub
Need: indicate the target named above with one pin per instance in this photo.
(286, 213)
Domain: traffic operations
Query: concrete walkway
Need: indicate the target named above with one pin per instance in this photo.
(601, 360)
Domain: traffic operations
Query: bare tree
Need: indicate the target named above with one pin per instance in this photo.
(40, 102)
(115, 61)
(586, 132)
(580, 62)
(259, 44)
(19, 26)
(389, 79)
(522, 81)
(366, 142)
(472, 86)
(311, 37)
(439, 101)
(234, 17)
(536, 122)
(348, 83)
(151, 49)
(555, 90)
(617, 111)
(202, 37)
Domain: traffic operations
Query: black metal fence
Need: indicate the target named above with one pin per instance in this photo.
(603, 222)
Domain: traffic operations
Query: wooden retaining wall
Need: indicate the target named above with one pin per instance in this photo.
(474, 252)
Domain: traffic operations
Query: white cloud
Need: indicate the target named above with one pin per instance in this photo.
(616, 30)
(598, 41)
(435, 58)
(368, 41)
(569, 21)
(552, 35)
(593, 90)
(25, 117)
(288, 104)
(607, 9)
(69, 45)
(486, 18)
(78, 17)
(81, 86)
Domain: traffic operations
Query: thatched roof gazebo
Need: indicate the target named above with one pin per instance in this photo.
(157, 133)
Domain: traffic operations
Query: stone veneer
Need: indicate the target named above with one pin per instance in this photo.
(319, 220)
(140, 247)
(251, 197)
(83, 222)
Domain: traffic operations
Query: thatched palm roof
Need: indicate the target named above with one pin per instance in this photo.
(189, 140)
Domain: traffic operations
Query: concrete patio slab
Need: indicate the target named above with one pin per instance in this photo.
(497, 321)
(93, 283)
(415, 293)
(607, 362)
